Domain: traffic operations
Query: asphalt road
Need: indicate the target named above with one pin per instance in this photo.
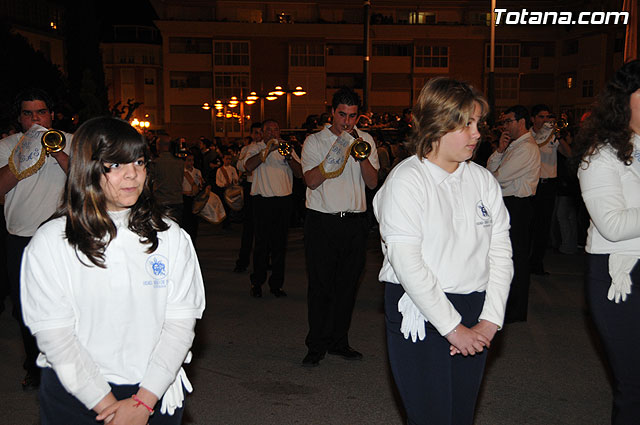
(248, 352)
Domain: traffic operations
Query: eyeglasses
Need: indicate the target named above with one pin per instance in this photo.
(508, 120)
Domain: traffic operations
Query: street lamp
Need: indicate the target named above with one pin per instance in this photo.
(279, 91)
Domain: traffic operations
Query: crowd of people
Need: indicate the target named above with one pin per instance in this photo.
(465, 214)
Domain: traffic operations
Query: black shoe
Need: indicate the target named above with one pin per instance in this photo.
(31, 380)
(255, 291)
(312, 359)
(347, 353)
(239, 269)
(278, 293)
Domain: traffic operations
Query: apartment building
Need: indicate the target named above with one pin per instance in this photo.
(213, 50)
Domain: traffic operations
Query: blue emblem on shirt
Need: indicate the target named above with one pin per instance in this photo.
(482, 211)
(157, 266)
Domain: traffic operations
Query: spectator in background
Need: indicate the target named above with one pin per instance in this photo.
(192, 183)
(168, 173)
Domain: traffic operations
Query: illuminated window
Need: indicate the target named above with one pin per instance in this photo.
(569, 82)
(422, 18)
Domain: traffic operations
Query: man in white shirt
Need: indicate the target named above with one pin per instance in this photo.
(516, 166)
(335, 231)
(29, 202)
(545, 197)
(272, 202)
(246, 242)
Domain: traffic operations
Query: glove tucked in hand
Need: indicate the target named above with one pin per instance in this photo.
(336, 159)
(620, 267)
(413, 322)
(174, 396)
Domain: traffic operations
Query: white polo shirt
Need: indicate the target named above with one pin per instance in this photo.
(458, 225)
(117, 312)
(35, 198)
(548, 157)
(242, 159)
(611, 193)
(517, 169)
(273, 177)
(345, 192)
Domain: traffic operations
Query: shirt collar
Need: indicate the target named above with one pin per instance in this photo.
(440, 175)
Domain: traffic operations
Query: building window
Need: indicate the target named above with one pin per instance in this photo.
(228, 84)
(422, 17)
(506, 87)
(198, 45)
(231, 53)
(306, 54)
(570, 47)
(506, 55)
(587, 88)
(535, 62)
(392, 50)
(569, 82)
(432, 57)
(189, 80)
(253, 16)
(344, 49)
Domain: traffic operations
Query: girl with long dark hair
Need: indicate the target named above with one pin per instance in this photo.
(111, 290)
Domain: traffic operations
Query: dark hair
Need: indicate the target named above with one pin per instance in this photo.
(519, 113)
(609, 121)
(536, 109)
(89, 228)
(256, 124)
(31, 94)
(444, 105)
(345, 96)
(268, 120)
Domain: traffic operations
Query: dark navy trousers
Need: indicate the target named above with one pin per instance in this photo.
(436, 388)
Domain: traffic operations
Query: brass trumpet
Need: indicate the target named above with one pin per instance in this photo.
(53, 141)
(560, 125)
(360, 150)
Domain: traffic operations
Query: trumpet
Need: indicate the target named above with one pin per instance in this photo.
(53, 141)
(560, 125)
(360, 150)
(284, 149)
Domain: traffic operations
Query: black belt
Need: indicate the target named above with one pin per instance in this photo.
(347, 214)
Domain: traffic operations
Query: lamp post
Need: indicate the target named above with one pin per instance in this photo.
(279, 91)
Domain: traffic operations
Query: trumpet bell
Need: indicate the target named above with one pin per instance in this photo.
(284, 149)
(360, 150)
(53, 141)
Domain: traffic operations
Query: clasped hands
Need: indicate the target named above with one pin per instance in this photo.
(127, 411)
(470, 341)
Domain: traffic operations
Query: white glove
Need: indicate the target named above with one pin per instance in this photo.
(620, 267)
(335, 160)
(413, 322)
(174, 396)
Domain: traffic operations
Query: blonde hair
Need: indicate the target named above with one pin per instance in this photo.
(444, 105)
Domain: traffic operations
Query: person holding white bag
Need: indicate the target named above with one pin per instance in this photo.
(608, 148)
(111, 289)
(447, 258)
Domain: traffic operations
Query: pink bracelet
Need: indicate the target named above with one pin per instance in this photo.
(142, 403)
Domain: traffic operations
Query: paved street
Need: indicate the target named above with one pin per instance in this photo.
(248, 352)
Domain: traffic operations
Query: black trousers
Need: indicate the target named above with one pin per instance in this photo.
(271, 224)
(15, 248)
(58, 407)
(619, 329)
(436, 388)
(520, 220)
(543, 205)
(335, 251)
(246, 241)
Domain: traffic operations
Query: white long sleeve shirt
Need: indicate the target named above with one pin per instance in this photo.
(611, 193)
(517, 169)
(119, 316)
(457, 229)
